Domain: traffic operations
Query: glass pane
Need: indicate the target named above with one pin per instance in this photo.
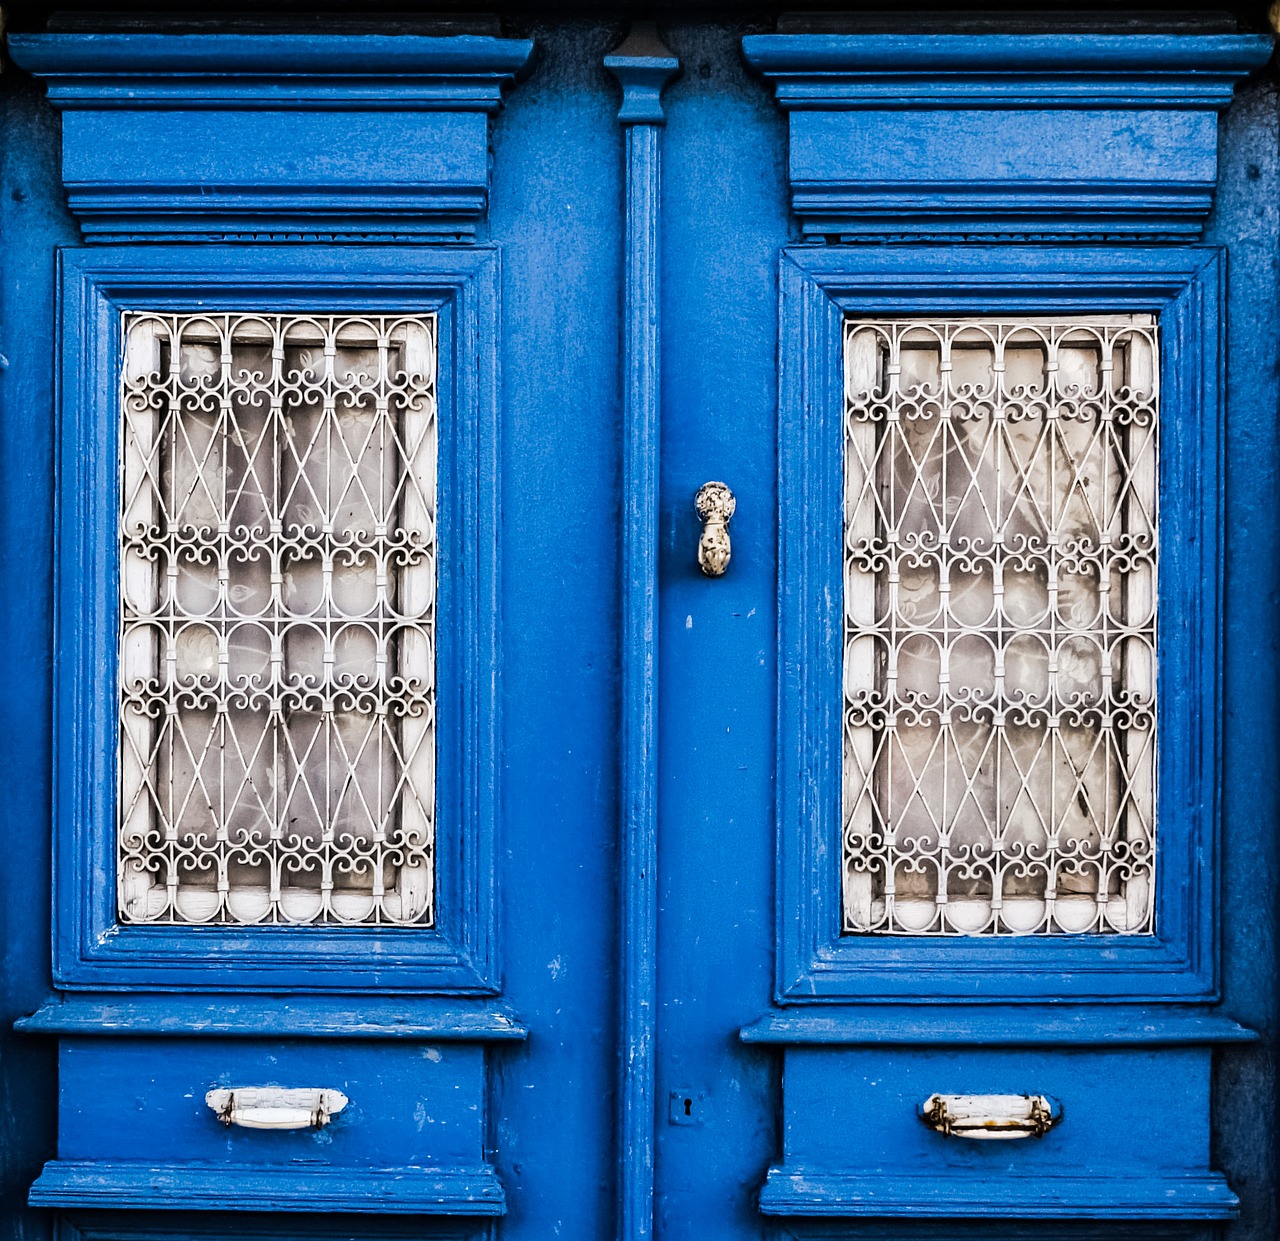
(1000, 625)
(278, 573)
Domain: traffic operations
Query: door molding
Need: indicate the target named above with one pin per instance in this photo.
(819, 288)
(642, 66)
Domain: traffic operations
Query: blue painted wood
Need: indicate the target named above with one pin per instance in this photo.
(555, 213)
(235, 1016)
(992, 136)
(642, 67)
(1246, 216)
(458, 953)
(139, 1100)
(724, 218)
(132, 1115)
(32, 222)
(1184, 287)
(103, 1185)
(294, 137)
(816, 1228)
(908, 1026)
(180, 1225)
(1042, 1196)
(264, 1226)
(1132, 1141)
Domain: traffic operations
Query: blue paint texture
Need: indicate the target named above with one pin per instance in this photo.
(642, 70)
(194, 137)
(487, 1062)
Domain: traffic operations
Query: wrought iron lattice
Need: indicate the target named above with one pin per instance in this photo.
(1000, 626)
(278, 595)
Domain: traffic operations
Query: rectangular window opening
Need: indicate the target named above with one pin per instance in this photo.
(1000, 571)
(277, 620)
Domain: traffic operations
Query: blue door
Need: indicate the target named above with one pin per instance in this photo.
(639, 637)
(945, 774)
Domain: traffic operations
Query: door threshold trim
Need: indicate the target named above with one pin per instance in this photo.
(106, 1185)
(1039, 1196)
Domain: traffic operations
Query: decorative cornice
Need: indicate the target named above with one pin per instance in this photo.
(1005, 71)
(260, 72)
(1006, 1026)
(198, 137)
(987, 137)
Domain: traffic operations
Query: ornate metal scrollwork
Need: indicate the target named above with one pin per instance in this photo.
(277, 634)
(1000, 627)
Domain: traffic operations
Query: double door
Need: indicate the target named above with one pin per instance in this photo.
(888, 882)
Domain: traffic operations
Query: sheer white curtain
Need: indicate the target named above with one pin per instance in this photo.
(1000, 625)
(278, 571)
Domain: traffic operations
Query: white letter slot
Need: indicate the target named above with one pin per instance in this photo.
(991, 1116)
(275, 1107)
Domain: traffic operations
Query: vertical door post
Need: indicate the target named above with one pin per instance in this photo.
(642, 66)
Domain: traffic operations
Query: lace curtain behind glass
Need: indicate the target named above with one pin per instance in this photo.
(277, 619)
(1000, 626)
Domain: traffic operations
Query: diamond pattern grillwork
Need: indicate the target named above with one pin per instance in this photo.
(278, 592)
(1000, 626)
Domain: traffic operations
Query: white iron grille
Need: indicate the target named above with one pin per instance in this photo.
(277, 631)
(1000, 625)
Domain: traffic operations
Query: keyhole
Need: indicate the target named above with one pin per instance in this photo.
(680, 1107)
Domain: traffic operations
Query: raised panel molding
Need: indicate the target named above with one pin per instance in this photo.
(1003, 137)
(854, 1144)
(820, 287)
(291, 137)
(458, 953)
(137, 1130)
